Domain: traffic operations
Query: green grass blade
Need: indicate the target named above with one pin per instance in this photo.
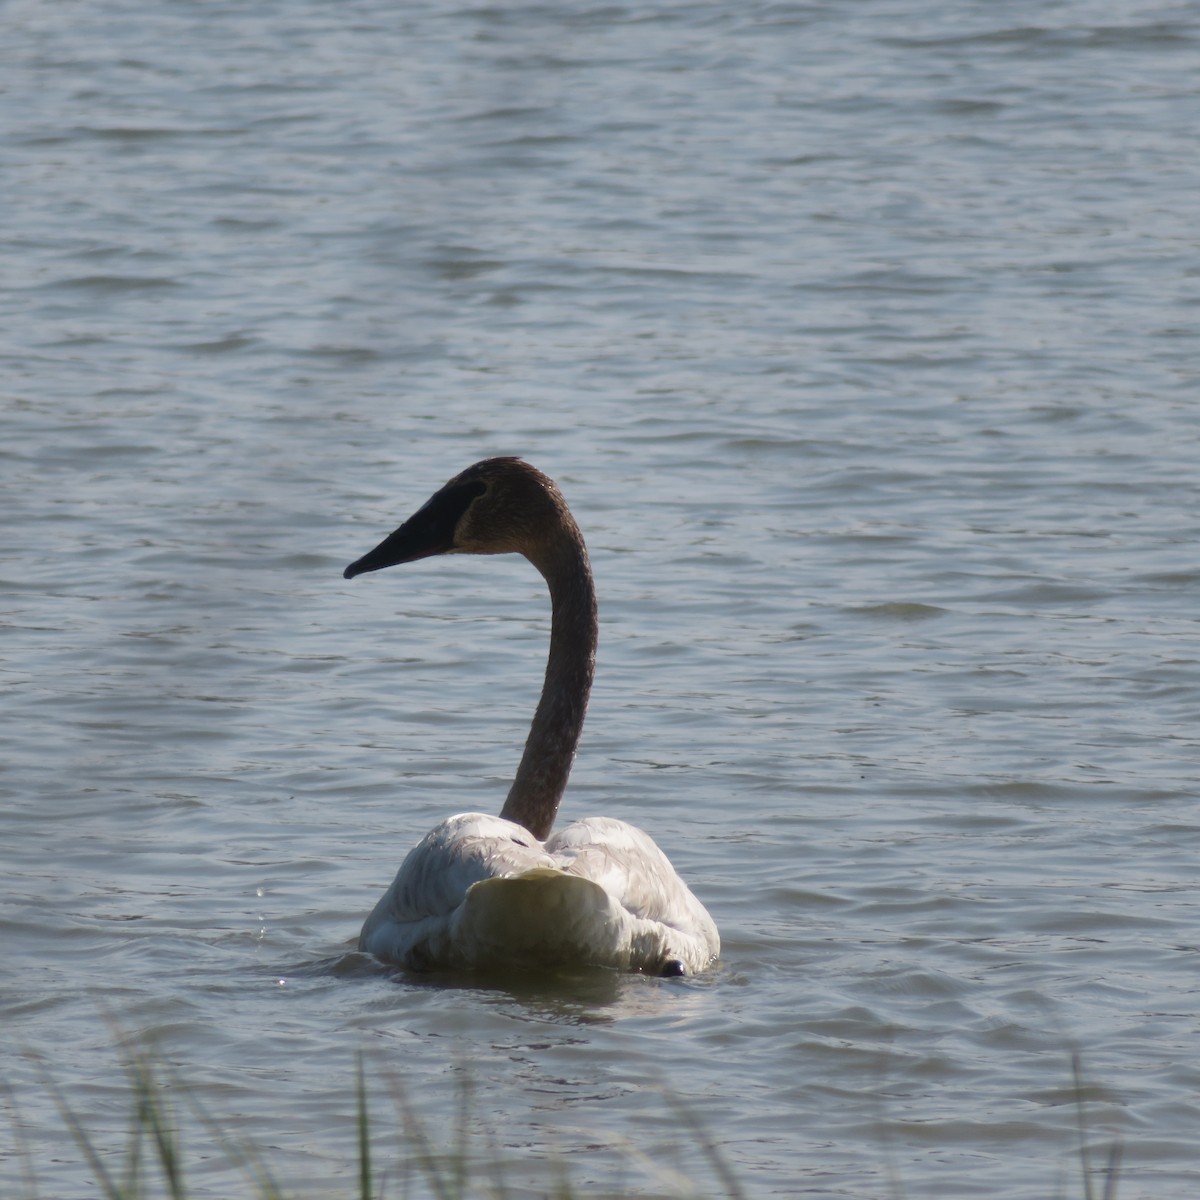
(364, 1135)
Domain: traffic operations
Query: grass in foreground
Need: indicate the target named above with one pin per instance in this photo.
(153, 1161)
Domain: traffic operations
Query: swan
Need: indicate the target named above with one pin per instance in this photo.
(480, 891)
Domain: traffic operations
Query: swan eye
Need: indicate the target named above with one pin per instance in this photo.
(518, 841)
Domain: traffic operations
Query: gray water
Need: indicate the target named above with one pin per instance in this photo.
(861, 338)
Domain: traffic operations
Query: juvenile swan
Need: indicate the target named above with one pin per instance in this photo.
(483, 891)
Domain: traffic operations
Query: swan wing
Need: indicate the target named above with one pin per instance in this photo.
(417, 913)
(666, 922)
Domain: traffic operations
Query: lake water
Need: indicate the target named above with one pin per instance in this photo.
(861, 338)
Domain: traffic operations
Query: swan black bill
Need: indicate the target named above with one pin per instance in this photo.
(399, 547)
(429, 531)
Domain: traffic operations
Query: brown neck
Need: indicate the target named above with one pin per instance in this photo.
(541, 778)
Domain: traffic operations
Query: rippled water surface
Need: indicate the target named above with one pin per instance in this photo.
(861, 338)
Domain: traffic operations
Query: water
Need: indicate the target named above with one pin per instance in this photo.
(861, 338)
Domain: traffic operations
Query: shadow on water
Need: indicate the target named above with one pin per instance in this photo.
(576, 995)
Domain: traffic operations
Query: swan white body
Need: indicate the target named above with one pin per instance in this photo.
(484, 891)
(480, 891)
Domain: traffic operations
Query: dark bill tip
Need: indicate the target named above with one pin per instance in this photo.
(428, 531)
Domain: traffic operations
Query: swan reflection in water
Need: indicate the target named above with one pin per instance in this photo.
(489, 892)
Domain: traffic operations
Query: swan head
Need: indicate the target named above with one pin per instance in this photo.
(497, 506)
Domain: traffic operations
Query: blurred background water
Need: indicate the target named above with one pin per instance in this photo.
(861, 338)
